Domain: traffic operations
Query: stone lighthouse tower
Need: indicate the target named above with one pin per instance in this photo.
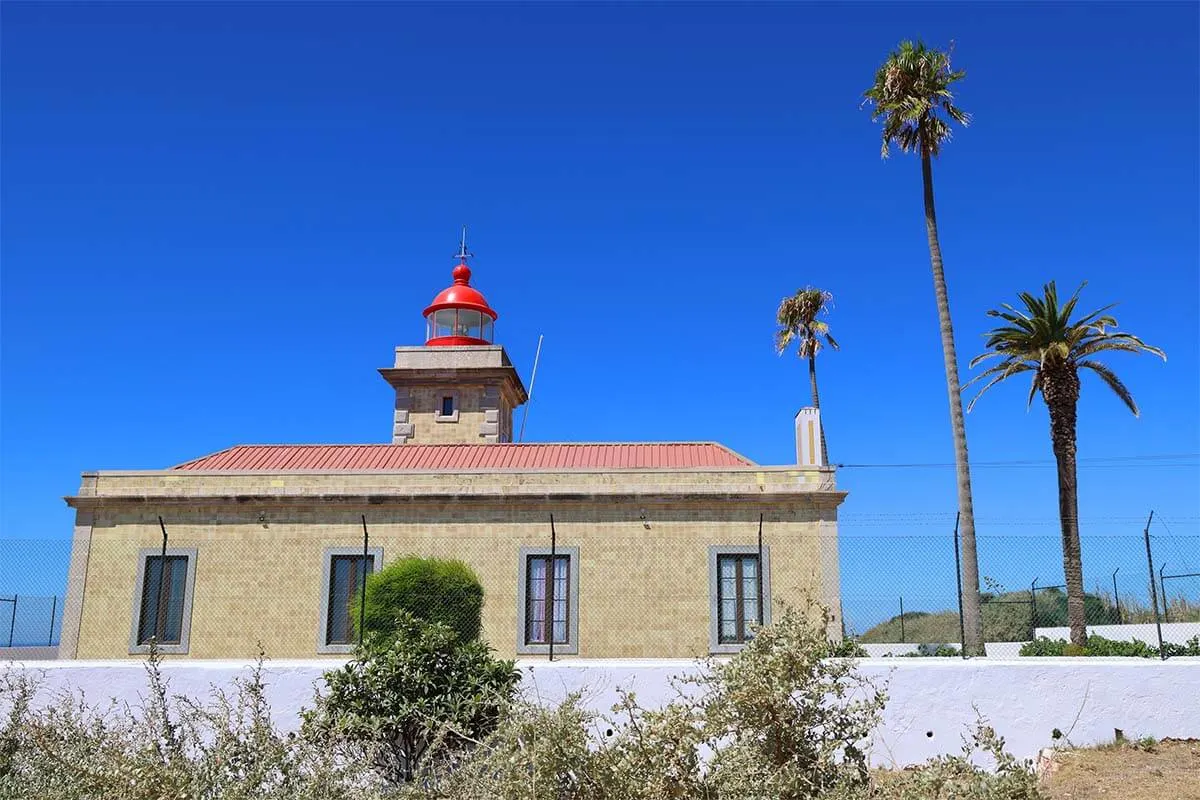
(459, 387)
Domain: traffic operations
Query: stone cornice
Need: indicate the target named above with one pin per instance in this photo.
(816, 499)
(507, 377)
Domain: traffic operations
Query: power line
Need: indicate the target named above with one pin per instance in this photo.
(1161, 460)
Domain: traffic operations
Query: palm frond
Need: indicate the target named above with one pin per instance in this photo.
(1043, 336)
(1012, 369)
(1125, 342)
(1113, 382)
(1033, 389)
(1008, 367)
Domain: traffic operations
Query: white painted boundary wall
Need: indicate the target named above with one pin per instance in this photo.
(932, 701)
(1173, 632)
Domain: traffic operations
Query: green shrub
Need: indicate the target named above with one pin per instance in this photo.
(1099, 646)
(846, 648)
(401, 695)
(432, 590)
(935, 651)
(165, 749)
(778, 721)
(958, 777)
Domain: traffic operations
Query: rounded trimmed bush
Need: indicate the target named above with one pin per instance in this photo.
(431, 590)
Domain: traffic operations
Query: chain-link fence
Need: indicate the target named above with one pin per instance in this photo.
(32, 586)
(1132, 583)
(653, 591)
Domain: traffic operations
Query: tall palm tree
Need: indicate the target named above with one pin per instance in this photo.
(911, 96)
(1043, 340)
(797, 318)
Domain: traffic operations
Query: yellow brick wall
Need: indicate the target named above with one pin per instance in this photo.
(642, 593)
(426, 402)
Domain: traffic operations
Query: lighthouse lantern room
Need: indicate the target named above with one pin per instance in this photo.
(459, 315)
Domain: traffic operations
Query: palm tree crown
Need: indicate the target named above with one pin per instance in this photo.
(1043, 340)
(797, 318)
(911, 96)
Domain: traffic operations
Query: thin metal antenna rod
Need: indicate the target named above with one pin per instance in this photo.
(532, 379)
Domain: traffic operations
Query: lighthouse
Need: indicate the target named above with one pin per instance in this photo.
(459, 387)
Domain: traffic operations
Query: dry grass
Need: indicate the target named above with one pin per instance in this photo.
(1167, 770)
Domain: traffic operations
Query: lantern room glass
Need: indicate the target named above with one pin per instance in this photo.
(470, 323)
(462, 322)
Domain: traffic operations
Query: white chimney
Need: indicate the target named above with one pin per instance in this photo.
(808, 438)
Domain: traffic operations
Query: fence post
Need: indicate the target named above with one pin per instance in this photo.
(1033, 610)
(901, 619)
(1117, 597)
(962, 631)
(1162, 590)
(53, 609)
(1162, 652)
(12, 625)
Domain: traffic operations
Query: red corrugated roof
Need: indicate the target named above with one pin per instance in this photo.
(466, 457)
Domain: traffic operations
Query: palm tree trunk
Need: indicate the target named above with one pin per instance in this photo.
(816, 401)
(972, 619)
(1061, 392)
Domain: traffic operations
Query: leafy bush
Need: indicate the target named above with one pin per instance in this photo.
(429, 589)
(935, 651)
(778, 721)
(1099, 646)
(169, 749)
(958, 778)
(401, 695)
(846, 648)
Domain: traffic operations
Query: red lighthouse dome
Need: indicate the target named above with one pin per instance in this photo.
(459, 315)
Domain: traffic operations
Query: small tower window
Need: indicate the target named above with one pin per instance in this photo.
(445, 406)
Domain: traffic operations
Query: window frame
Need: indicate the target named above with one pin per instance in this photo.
(442, 394)
(571, 645)
(327, 556)
(189, 585)
(715, 645)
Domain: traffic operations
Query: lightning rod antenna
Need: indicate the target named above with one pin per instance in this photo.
(529, 400)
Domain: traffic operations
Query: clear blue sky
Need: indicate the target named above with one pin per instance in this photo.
(219, 218)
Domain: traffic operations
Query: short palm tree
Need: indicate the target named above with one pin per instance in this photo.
(911, 96)
(797, 318)
(1043, 340)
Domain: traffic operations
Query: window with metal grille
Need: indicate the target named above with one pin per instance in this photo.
(547, 599)
(346, 575)
(164, 590)
(738, 603)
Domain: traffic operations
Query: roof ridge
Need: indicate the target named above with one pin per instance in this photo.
(466, 456)
(671, 442)
(229, 449)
